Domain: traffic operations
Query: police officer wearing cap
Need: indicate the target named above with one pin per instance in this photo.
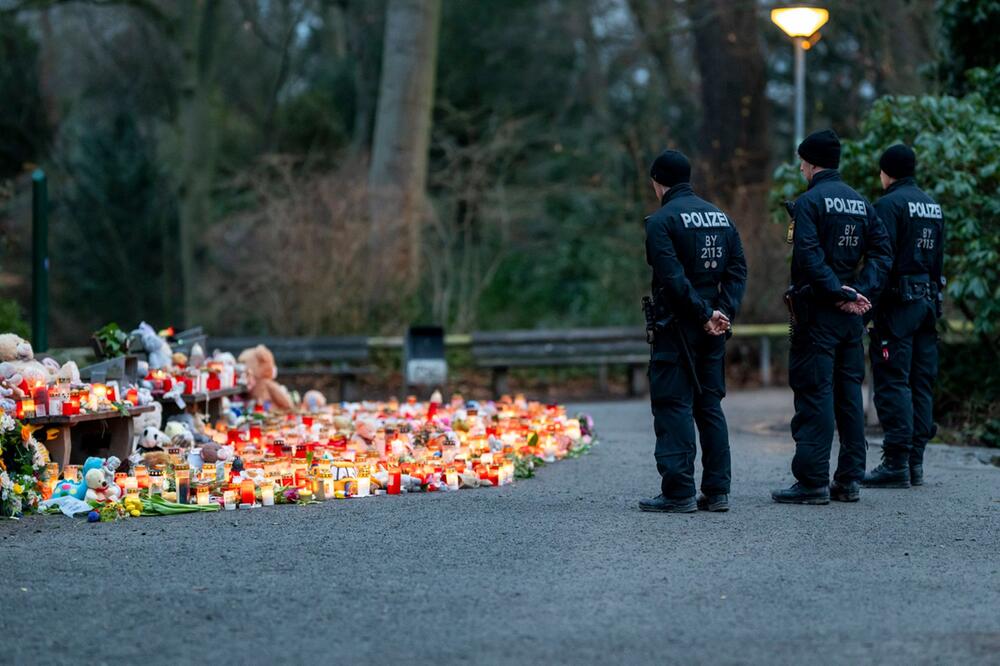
(840, 258)
(699, 277)
(903, 346)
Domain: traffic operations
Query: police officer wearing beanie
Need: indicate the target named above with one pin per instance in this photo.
(699, 277)
(840, 258)
(903, 348)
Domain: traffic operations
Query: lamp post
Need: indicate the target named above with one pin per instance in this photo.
(800, 23)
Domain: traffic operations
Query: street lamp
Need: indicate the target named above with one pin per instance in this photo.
(800, 23)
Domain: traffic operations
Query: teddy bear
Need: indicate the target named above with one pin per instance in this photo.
(261, 373)
(313, 401)
(157, 350)
(101, 488)
(18, 358)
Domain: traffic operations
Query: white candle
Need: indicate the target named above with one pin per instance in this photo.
(451, 478)
(267, 494)
(364, 486)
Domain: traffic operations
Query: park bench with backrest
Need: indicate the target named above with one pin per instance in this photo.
(602, 347)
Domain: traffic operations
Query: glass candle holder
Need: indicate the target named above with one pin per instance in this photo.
(155, 482)
(229, 499)
(247, 493)
(182, 479)
(202, 495)
(395, 478)
(267, 493)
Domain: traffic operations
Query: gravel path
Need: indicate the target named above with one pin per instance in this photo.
(562, 568)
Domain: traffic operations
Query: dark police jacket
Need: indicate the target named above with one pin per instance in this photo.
(696, 256)
(836, 229)
(915, 226)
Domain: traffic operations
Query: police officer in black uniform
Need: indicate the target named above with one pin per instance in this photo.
(903, 346)
(699, 276)
(840, 258)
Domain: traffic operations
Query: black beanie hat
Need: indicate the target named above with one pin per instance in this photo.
(821, 148)
(670, 168)
(898, 161)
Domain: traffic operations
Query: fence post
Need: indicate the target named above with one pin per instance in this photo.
(765, 360)
(39, 261)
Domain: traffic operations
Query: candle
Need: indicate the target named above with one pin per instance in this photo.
(182, 478)
(267, 493)
(395, 477)
(364, 486)
(327, 481)
(229, 499)
(451, 478)
(247, 496)
(142, 475)
(155, 481)
(40, 396)
(120, 479)
(28, 408)
(132, 395)
(129, 483)
(71, 472)
(202, 495)
(98, 394)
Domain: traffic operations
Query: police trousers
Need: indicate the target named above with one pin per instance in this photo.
(904, 356)
(825, 370)
(678, 408)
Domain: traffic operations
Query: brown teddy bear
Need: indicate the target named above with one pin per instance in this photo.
(261, 373)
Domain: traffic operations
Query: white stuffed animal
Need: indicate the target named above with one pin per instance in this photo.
(153, 438)
(156, 348)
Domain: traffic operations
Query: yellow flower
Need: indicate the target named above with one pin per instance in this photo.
(135, 513)
(18, 489)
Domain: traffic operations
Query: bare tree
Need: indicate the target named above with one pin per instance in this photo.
(398, 173)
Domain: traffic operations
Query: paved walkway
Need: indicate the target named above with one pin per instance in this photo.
(559, 569)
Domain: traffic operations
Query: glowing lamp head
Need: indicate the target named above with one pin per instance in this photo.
(800, 21)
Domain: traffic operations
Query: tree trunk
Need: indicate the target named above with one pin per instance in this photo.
(733, 101)
(398, 174)
(198, 34)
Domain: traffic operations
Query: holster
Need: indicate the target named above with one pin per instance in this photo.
(910, 288)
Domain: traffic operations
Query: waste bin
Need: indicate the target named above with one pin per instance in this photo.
(424, 364)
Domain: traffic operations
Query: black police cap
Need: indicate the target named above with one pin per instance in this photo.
(670, 168)
(821, 148)
(898, 161)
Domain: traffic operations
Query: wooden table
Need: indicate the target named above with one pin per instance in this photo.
(207, 402)
(107, 433)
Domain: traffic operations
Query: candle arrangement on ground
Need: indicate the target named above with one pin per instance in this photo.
(345, 451)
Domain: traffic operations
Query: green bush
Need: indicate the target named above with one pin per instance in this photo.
(10, 319)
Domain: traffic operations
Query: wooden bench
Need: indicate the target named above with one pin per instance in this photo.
(344, 358)
(103, 434)
(603, 347)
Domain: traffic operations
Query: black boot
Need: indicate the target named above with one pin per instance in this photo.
(800, 494)
(663, 504)
(892, 473)
(713, 502)
(845, 492)
(916, 474)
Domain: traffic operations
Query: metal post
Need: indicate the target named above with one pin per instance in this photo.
(765, 360)
(800, 92)
(39, 261)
